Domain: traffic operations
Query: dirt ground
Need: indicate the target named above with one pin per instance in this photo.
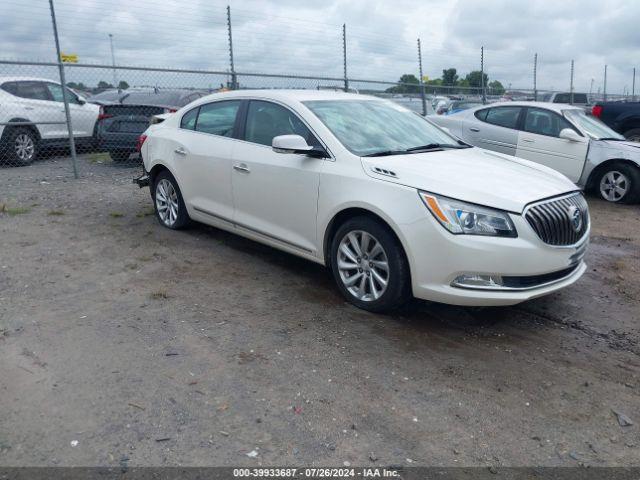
(124, 343)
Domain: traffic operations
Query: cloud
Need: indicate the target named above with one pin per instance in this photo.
(304, 37)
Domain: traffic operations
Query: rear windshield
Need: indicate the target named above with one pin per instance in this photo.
(170, 99)
(566, 98)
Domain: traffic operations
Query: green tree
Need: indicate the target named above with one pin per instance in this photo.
(475, 79)
(104, 85)
(496, 87)
(123, 85)
(450, 77)
(408, 83)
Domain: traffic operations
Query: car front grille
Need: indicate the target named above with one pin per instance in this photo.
(555, 220)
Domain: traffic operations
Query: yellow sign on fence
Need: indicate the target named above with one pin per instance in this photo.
(69, 58)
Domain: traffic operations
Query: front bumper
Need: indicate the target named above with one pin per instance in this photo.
(530, 268)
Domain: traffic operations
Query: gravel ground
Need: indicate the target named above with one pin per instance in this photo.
(124, 343)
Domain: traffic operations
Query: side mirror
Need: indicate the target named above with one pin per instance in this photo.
(570, 134)
(295, 144)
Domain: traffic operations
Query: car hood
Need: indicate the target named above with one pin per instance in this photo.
(473, 175)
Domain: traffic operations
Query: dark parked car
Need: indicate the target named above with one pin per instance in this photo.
(623, 117)
(460, 105)
(124, 119)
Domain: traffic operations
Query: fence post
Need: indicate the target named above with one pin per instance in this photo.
(535, 77)
(422, 94)
(344, 56)
(604, 88)
(571, 86)
(234, 80)
(484, 95)
(113, 62)
(65, 99)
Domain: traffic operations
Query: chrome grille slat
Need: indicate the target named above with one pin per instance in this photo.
(551, 221)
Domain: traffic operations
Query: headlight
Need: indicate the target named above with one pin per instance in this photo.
(466, 218)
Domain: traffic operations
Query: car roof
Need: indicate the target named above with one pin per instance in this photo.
(556, 107)
(289, 95)
(27, 79)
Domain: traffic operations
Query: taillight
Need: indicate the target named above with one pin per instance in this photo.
(596, 111)
(171, 110)
(102, 115)
(141, 140)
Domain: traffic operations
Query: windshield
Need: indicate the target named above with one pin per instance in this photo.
(591, 125)
(367, 127)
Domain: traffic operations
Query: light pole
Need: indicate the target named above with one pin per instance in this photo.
(113, 62)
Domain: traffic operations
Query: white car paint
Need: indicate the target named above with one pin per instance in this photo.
(12, 108)
(576, 159)
(288, 201)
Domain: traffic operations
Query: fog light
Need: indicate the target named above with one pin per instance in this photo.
(473, 280)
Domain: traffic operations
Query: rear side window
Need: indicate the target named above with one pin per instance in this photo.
(218, 118)
(504, 116)
(544, 122)
(266, 120)
(32, 90)
(10, 87)
(189, 119)
(482, 114)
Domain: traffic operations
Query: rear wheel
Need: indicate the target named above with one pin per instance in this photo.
(619, 183)
(170, 209)
(369, 265)
(632, 135)
(22, 145)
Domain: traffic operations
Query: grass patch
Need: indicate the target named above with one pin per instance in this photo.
(55, 213)
(98, 158)
(16, 210)
(159, 295)
(145, 213)
(116, 215)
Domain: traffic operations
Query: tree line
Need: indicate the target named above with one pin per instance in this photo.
(450, 79)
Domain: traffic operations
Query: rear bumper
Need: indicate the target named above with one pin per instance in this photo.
(143, 180)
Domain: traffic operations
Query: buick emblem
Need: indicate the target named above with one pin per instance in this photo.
(575, 215)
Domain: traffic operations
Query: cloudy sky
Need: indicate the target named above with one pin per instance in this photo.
(305, 37)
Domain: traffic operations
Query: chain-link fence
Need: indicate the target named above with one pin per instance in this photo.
(107, 106)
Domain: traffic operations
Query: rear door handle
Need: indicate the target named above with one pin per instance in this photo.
(180, 151)
(528, 140)
(474, 129)
(28, 108)
(242, 168)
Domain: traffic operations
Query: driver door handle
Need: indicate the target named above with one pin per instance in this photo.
(474, 129)
(242, 168)
(180, 151)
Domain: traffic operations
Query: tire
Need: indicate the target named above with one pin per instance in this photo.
(619, 183)
(166, 193)
(367, 274)
(22, 146)
(119, 156)
(632, 135)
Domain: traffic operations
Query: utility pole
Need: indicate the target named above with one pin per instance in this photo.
(234, 79)
(422, 94)
(344, 56)
(65, 98)
(484, 96)
(535, 77)
(604, 88)
(633, 86)
(571, 86)
(591, 90)
(113, 62)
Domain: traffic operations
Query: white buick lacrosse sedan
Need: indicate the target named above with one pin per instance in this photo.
(391, 204)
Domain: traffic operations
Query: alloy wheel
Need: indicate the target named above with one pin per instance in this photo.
(363, 265)
(614, 186)
(24, 147)
(167, 202)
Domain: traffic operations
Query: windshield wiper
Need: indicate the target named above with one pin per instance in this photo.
(431, 147)
(434, 146)
(614, 139)
(385, 153)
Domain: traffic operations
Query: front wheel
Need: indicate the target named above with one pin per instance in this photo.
(632, 135)
(170, 209)
(369, 265)
(619, 183)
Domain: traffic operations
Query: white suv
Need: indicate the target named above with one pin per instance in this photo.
(392, 204)
(32, 117)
